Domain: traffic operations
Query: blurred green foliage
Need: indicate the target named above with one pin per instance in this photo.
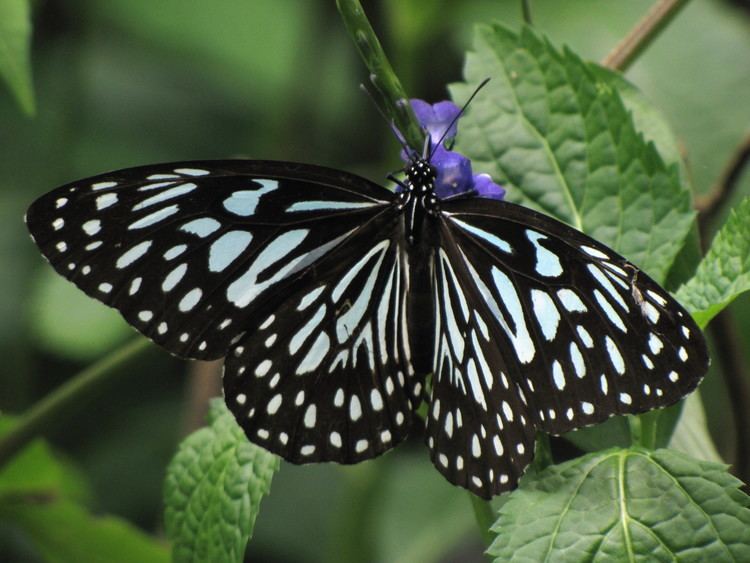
(122, 83)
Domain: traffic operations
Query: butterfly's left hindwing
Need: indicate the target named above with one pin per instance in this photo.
(193, 254)
(329, 376)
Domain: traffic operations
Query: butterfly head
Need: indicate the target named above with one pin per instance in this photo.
(421, 175)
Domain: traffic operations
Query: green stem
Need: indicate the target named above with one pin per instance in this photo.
(641, 36)
(526, 9)
(390, 96)
(50, 412)
(643, 429)
(542, 452)
(485, 517)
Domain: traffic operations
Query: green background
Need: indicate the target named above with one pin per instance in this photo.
(122, 83)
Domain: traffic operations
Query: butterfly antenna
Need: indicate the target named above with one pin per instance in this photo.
(459, 114)
(399, 137)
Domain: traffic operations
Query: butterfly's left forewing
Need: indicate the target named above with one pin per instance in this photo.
(193, 254)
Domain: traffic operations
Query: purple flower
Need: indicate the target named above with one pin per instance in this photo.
(454, 173)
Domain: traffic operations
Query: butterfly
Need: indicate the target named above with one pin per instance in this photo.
(341, 306)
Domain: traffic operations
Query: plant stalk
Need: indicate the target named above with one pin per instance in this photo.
(50, 412)
(641, 36)
(388, 93)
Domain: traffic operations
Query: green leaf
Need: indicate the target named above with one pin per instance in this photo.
(63, 532)
(724, 273)
(562, 141)
(691, 435)
(36, 471)
(89, 330)
(626, 505)
(15, 40)
(213, 490)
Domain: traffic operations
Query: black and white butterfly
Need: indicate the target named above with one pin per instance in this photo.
(340, 306)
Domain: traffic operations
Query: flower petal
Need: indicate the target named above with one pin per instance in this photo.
(485, 187)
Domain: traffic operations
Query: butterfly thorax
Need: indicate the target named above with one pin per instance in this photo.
(418, 198)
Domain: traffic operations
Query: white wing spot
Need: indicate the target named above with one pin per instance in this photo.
(274, 380)
(673, 376)
(376, 400)
(190, 300)
(58, 223)
(558, 376)
(174, 277)
(547, 262)
(385, 436)
(587, 407)
(162, 328)
(579, 365)
(92, 227)
(201, 227)
(335, 439)
(571, 301)
(361, 446)
(507, 411)
(309, 449)
(263, 368)
(626, 398)
(355, 409)
(614, 355)
(656, 297)
(609, 311)
(585, 337)
(268, 322)
(106, 200)
(603, 384)
(546, 313)
(227, 248)
(103, 185)
(682, 354)
(145, 316)
(175, 251)
(133, 254)
(338, 399)
(105, 287)
(311, 415)
(241, 399)
(476, 448)
(274, 404)
(591, 251)
(191, 171)
(244, 202)
(655, 344)
(498, 445)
